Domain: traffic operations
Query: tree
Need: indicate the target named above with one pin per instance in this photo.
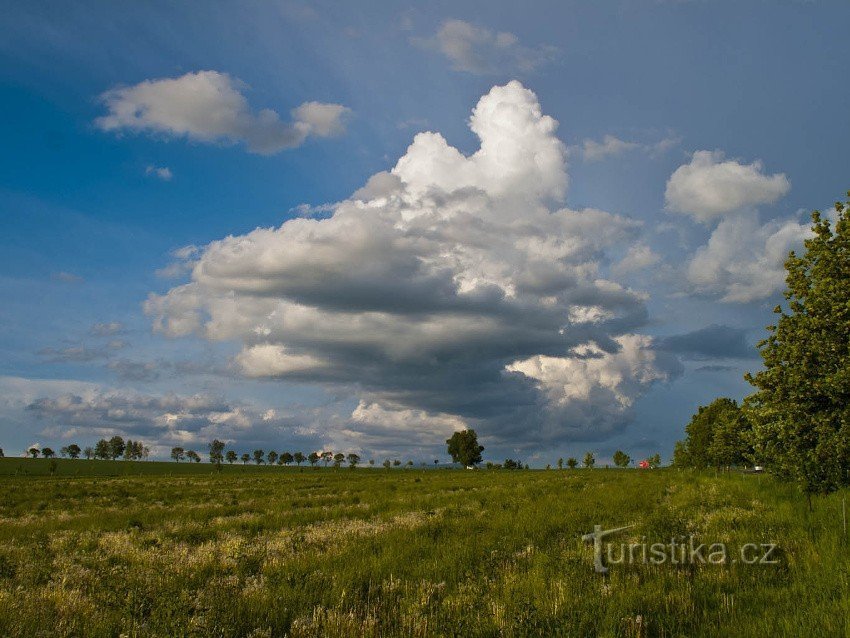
(560, 464)
(287, 458)
(1, 453)
(654, 461)
(720, 414)
(464, 449)
(299, 458)
(101, 449)
(409, 463)
(589, 460)
(193, 456)
(129, 448)
(73, 451)
(89, 452)
(230, 456)
(801, 408)
(272, 457)
(621, 459)
(327, 457)
(387, 464)
(245, 458)
(48, 453)
(339, 457)
(371, 461)
(353, 460)
(681, 456)
(216, 451)
(572, 463)
(258, 456)
(33, 452)
(313, 457)
(116, 447)
(178, 454)
(396, 462)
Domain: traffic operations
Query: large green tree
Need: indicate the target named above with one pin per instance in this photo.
(801, 408)
(464, 448)
(718, 435)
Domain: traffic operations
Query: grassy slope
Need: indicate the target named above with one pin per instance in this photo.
(186, 551)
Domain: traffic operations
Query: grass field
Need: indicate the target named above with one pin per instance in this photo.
(161, 549)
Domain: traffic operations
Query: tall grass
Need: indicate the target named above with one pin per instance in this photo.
(161, 550)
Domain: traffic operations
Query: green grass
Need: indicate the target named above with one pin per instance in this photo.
(160, 549)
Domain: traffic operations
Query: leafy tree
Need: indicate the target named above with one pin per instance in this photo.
(299, 458)
(230, 456)
(339, 457)
(654, 461)
(178, 454)
(353, 460)
(89, 452)
(101, 449)
(722, 414)
(371, 461)
(272, 457)
(327, 457)
(409, 463)
(387, 464)
(73, 451)
(216, 451)
(621, 459)
(193, 456)
(801, 408)
(561, 464)
(48, 453)
(129, 449)
(589, 460)
(33, 452)
(287, 458)
(464, 449)
(258, 456)
(245, 458)
(510, 464)
(396, 462)
(681, 456)
(313, 457)
(572, 463)
(1, 453)
(116, 447)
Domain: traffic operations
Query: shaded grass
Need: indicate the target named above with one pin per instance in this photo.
(276, 551)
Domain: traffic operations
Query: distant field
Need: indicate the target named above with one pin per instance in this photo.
(161, 549)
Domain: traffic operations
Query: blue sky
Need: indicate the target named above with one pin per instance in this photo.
(706, 129)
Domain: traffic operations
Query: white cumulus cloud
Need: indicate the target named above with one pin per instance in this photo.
(209, 106)
(418, 293)
(710, 186)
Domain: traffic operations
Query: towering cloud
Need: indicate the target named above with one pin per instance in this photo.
(450, 290)
(209, 106)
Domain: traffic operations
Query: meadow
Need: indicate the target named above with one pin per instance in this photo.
(105, 548)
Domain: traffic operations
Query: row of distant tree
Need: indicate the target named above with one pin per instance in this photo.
(797, 422)
(112, 449)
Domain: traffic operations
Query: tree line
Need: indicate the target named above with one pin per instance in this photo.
(796, 424)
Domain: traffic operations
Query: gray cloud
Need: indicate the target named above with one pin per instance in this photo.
(711, 342)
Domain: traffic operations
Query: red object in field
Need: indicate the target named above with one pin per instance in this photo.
(644, 465)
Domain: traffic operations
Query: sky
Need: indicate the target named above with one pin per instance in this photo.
(362, 227)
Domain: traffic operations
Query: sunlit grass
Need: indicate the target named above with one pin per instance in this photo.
(168, 550)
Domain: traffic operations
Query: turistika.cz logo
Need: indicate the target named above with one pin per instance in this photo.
(682, 551)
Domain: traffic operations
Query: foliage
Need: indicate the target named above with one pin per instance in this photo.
(231, 456)
(572, 463)
(463, 447)
(718, 435)
(801, 407)
(589, 460)
(621, 459)
(216, 451)
(178, 454)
